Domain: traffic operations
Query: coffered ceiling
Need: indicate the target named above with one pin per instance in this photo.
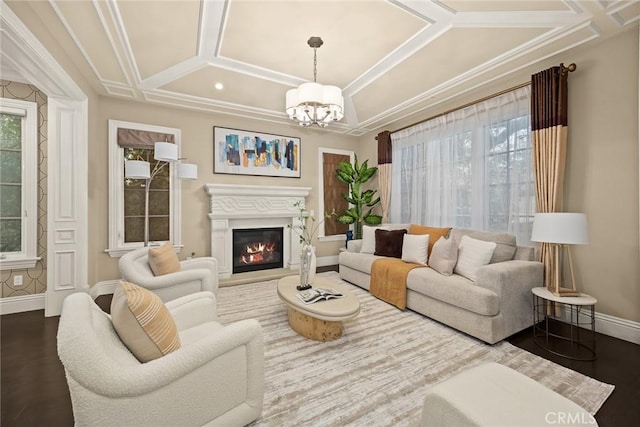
(391, 58)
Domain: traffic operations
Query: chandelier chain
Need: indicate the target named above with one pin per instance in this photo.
(315, 65)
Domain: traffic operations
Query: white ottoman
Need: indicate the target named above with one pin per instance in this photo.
(495, 395)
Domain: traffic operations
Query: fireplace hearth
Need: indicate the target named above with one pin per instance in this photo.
(257, 249)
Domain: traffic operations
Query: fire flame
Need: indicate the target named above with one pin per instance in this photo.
(258, 252)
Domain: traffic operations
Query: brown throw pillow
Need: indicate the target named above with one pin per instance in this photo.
(143, 322)
(389, 243)
(434, 233)
(163, 260)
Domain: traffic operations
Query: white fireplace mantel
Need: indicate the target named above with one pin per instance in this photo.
(253, 206)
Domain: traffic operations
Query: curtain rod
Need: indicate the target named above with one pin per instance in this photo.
(570, 69)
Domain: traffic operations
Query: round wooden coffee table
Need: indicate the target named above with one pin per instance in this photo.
(322, 320)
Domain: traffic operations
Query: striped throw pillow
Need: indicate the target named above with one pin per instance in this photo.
(143, 322)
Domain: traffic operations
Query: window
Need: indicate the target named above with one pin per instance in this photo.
(471, 168)
(18, 184)
(330, 192)
(127, 196)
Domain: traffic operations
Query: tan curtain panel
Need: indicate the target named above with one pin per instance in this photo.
(132, 138)
(384, 172)
(549, 141)
(333, 190)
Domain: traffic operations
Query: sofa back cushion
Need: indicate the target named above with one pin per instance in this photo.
(389, 242)
(505, 242)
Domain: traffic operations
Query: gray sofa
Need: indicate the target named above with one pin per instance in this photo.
(494, 307)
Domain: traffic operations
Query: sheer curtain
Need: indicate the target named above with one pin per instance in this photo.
(471, 168)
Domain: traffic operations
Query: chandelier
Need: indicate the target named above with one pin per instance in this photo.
(313, 103)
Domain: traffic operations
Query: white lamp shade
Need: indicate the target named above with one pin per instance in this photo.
(165, 151)
(137, 169)
(187, 171)
(560, 227)
(310, 93)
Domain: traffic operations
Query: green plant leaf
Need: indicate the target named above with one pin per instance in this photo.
(373, 219)
(375, 202)
(367, 174)
(345, 219)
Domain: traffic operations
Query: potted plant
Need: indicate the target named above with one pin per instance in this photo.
(361, 203)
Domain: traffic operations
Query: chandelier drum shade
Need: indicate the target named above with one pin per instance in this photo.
(313, 103)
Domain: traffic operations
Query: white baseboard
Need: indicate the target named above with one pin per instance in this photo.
(106, 287)
(325, 261)
(624, 329)
(21, 303)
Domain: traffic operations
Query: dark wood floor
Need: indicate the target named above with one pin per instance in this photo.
(34, 390)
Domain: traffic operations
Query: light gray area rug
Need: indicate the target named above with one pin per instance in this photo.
(377, 373)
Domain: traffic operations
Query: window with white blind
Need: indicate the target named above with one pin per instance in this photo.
(134, 141)
(18, 184)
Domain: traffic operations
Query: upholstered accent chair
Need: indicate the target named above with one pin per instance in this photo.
(195, 275)
(216, 377)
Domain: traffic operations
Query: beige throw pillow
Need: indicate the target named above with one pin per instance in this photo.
(444, 256)
(143, 322)
(415, 247)
(163, 260)
(473, 254)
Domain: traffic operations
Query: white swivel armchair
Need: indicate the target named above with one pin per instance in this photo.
(195, 275)
(215, 378)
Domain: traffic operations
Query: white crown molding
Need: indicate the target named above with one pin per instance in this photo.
(109, 35)
(503, 59)
(30, 58)
(123, 38)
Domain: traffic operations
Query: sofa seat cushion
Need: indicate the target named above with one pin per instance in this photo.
(455, 290)
(358, 261)
(196, 333)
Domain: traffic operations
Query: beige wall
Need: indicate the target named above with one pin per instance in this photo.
(602, 165)
(197, 147)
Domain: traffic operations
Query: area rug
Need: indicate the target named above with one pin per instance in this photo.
(378, 372)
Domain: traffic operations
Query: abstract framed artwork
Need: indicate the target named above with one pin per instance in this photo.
(242, 152)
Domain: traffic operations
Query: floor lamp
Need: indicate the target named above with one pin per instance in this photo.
(560, 230)
(164, 153)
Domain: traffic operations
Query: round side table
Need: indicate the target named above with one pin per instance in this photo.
(550, 331)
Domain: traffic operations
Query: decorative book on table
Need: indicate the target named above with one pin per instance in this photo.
(318, 294)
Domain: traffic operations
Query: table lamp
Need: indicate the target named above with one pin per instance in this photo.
(560, 230)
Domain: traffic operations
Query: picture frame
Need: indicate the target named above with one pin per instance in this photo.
(244, 152)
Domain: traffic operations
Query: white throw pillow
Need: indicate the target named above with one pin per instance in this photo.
(444, 255)
(369, 238)
(473, 254)
(415, 248)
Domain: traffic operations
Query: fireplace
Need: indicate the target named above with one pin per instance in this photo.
(257, 249)
(242, 207)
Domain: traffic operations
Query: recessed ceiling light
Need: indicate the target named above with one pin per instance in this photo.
(219, 86)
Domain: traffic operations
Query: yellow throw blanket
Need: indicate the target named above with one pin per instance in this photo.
(389, 280)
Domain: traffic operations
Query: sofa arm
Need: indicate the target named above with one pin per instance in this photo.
(208, 263)
(354, 245)
(512, 281)
(116, 381)
(193, 309)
